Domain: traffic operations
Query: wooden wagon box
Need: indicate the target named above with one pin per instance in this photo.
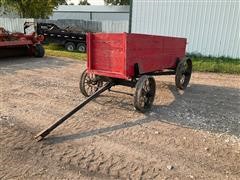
(115, 54)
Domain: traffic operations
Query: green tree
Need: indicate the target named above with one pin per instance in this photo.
(32, 8)
(117, 2)
(84, 2)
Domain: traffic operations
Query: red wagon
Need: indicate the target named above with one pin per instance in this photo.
(132, 60)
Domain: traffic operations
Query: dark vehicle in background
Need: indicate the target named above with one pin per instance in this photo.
(70, 38)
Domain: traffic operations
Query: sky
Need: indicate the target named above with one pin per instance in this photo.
(92, 2)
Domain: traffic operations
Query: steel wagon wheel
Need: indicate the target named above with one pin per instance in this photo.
(183, 73)
(145, 93)
(89, 83)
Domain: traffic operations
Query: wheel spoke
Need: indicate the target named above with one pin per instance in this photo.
(142, 101)
(91, 92)
(146, 86)
(188, 72)
(87, 89)
(144, 92)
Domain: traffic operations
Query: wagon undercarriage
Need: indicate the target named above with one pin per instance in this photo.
(92, 86)
(120, 59)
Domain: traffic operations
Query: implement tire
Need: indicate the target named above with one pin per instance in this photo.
(39, 51)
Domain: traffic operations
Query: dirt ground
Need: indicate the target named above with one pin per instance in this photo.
(188, 135)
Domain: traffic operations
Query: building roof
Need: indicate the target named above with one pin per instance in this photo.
(92, 8)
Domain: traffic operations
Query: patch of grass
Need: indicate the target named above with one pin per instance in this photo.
(219, 65)
(59, 51)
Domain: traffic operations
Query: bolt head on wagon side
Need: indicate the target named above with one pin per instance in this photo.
(132, 60)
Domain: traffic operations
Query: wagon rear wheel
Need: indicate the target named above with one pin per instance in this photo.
(183, 73)
(89, 83)
(145, 93)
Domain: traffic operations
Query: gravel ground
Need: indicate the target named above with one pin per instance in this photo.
(193, 134)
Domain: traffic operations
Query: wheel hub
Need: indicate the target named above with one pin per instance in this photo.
(70, 48)
(182, 78)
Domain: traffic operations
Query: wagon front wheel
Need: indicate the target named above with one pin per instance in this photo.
(145, 93)
(89, 83)
(183, 73)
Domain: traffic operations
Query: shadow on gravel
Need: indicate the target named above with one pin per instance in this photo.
(60, 139)
(210, 108)
(14, 64)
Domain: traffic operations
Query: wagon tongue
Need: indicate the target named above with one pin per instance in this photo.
(46, 131)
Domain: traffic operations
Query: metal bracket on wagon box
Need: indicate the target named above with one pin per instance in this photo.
(46, 131)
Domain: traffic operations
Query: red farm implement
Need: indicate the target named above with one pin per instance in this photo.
(130, 60)
(18, 44)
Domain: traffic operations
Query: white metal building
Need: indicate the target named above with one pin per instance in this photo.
(212, 27)
(94, 13)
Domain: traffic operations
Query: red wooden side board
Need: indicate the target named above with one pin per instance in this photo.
(114, 54)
